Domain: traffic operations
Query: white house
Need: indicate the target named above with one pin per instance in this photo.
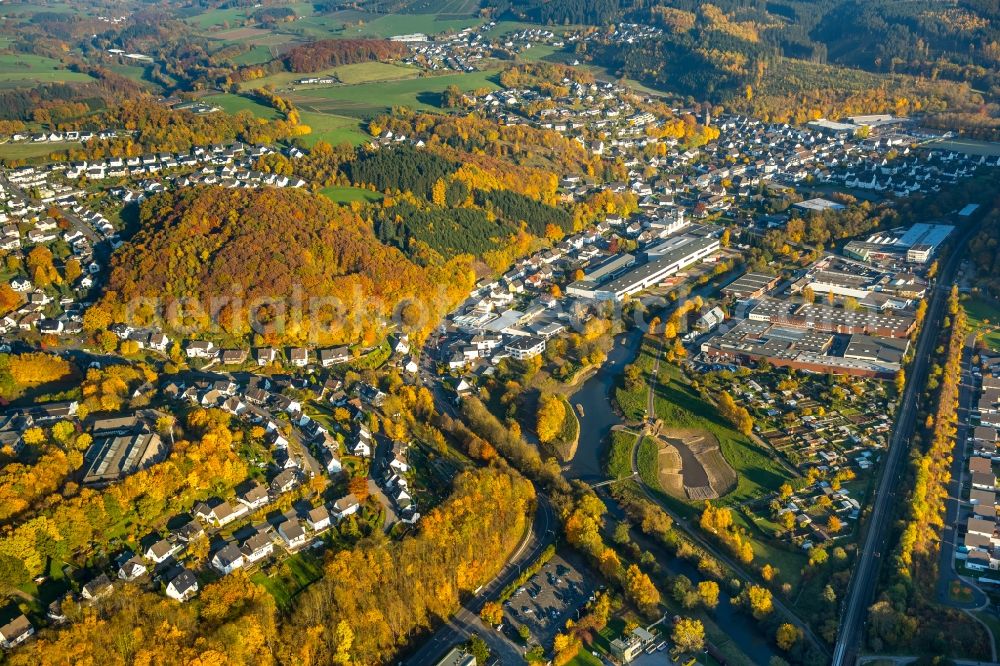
(183, 586)
(160, 551)
(228, 559)
(345, 506)
(257, 548)
(15, 632)
(318, 519)
(133, 568)
(292, 534)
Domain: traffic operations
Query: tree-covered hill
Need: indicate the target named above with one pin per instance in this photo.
(221, 254)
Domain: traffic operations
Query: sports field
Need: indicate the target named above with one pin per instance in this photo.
(368, 99)
(25, 151)
(362, 72)
(967, 146)
(16, 69)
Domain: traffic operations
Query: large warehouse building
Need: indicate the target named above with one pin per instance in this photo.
(684, 251)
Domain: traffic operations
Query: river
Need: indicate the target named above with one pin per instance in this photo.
(588, 465)
(594, 396)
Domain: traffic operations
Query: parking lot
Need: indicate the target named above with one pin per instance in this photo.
(548, 599)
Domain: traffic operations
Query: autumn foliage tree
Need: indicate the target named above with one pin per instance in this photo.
(688, 635)
(550, 417)
(735, 414)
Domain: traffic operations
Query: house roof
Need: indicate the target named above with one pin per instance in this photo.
(318, 514)
(291, 529)
(345, 502)
(257, 542)
(184, 582)
(160, 549)
(228, 555)
(16, 627)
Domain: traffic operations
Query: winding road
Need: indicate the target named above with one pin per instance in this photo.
(466, 621)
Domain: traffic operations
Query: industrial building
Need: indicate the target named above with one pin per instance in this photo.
(915, 245)
(663, 260)
(815, 316)
(750, 285)
(116, 454)
(805, 349)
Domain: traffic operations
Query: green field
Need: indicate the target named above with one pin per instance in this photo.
(216, 18)
(362, 72)
(333, 129)
(340, 194)
(981, 311)
(26, 151)
(369, 99)
(584, 658)
(431, 24)
(231, 104)
(620, 454)
(540, 52)
(255, 56)
(18, 68)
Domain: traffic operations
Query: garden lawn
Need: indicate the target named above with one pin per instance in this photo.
(981, 311)
(303, 569)
(584, 658)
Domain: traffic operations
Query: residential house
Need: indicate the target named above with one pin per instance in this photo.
(228, 559)
(200, 349)
(15, 632)
(292, 534)
(318, 519)
(285, 481)
(221, 513)
(335, 356)
(345, 506)
(97, 588)
(266, 356)
(233, 356)
(299, 357)
(257, 547)
(254, 497)
(131, 569)
(159, 551)
(183, 586)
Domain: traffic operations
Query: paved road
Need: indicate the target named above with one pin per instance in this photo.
(954, 505)
(74, 220)
(875, 546)
(466, 621)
